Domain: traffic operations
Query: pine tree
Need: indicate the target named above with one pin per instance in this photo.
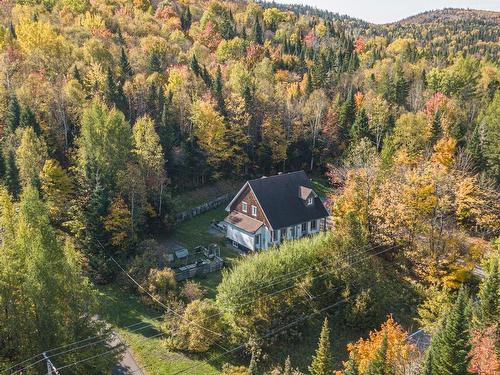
(488, 308)
(308, 89)
(218, 92)
(12, 30)
(257, 32)
(11, 174)
(427, 365)
(2, 165)
(436, 128)
(352, 367)
(360, 127)
(13, 114)
(195, 67)
(185, 19)
(28, 120)
(379, 365)
(125, 68)
(114, 92)
(475, 150)
(77, 75)
(154, 63)
(450, 347)
(322, 363)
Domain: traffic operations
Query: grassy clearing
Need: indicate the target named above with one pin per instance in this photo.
(196, 232)
(121, 308)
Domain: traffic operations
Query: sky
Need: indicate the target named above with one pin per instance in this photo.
(384, 11)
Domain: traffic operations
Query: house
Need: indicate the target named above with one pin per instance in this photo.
(269, 210)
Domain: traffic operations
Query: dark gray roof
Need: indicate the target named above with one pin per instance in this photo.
(279, 198)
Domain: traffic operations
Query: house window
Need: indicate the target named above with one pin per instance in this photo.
(310, 201)
(254, 211)
(257, 240)
(304, 228)
(273, 235)
(244, 206)
(313, 225)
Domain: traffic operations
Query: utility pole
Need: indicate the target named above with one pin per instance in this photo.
(51, 369)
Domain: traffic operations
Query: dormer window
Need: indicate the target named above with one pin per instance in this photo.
(310, 201)
(244, 207)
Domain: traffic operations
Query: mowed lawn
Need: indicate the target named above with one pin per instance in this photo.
(196, 232)
(122, 308)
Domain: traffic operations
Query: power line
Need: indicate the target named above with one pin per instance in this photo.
(161, 303)
(70, 344)
(219, 313)
(269, 334)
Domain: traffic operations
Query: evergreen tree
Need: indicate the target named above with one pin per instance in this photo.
(13, 114)
(475, 150)
(218, 92)
(154, 63)
(308, 89)
(257, 32)
(379, 364)
(12, 30)
(436, 128)
(48, 302)
(125, 68)
(487, 311)
(195, 67)
(450, 347)
(77, 75)
(114, 92)
(11, 174)
(352, 367)
(2, 165)
(186, 19)
(28, 120)
(427, 365)
(322, 363)
(360, 127)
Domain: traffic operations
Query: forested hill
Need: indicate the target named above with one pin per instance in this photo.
(110, 109)
(453, 14)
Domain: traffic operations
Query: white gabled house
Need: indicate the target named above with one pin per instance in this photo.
(268, 210)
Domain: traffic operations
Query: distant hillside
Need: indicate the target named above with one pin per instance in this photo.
(451, 15)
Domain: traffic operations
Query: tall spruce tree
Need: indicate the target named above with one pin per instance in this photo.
(450, 347)
(426, 368)
(257, 32)
(322, 363)
(487, 310)
(28, 120)
(11, 177)
(351, 367)
(360, 127)
(218, 92)
(125, 68)
(2, 164)
(13, 114)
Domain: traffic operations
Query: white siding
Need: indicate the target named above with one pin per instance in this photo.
(241, 237)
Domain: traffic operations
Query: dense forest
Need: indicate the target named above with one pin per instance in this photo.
(110, 108)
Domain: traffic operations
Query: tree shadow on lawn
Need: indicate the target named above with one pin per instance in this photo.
(123, 309)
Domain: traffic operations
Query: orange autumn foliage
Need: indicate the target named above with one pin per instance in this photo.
(358, 100)
(399, 350)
